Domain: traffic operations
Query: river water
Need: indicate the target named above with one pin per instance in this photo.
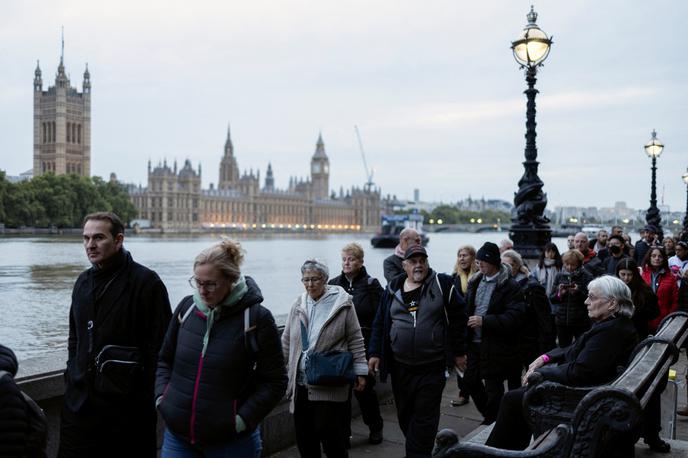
(37, 274)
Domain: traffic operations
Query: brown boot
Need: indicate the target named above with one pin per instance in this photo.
(683, 412)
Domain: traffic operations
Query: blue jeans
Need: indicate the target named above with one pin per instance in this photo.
(176, 447)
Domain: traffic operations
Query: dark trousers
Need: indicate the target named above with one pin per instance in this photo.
(511, 432)
(652, 414)
(370, 407)
(566, 334)
(319, 422)
(108, 431)
(488, 395)
(418, 395)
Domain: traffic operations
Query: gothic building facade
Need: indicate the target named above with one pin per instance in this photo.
(61, 125)
(174, 200)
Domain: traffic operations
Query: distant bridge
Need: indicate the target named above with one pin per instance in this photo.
(468, 227)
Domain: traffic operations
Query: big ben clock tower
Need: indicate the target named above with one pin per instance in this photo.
(320, 171)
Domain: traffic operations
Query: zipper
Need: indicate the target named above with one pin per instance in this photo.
(192, 424)
(119, 361)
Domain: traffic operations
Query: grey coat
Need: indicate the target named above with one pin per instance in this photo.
(341, 331)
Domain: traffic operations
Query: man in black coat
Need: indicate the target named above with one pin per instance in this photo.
(496, 310)
(615, 246)
(643, 245)
(118, 318)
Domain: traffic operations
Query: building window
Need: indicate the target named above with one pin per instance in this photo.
(53, 133)
(43, 126)
(78, 134)
(69, 132)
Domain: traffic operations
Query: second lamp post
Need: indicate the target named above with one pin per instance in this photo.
(654, 149)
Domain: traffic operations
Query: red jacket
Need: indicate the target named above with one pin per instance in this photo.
(667, 295)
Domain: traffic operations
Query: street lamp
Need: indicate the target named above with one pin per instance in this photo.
(530, 229)
(654, 149)
(684, 236)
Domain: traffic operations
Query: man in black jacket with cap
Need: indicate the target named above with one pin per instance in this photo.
(496, 310)
(419, 327)
(117, 321)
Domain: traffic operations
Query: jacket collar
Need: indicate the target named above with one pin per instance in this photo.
(503, 275)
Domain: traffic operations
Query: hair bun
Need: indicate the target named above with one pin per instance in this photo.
(233, 250)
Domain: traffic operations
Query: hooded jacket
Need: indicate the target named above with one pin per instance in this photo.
(340, 332)
(667, 294)
(499, 352)
(443, 341)
(14, 420)
(200, 396)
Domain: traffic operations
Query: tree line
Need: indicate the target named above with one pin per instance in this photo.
(60, 201)
(452, 215)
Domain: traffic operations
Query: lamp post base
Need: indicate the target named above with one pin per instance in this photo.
(529, 240)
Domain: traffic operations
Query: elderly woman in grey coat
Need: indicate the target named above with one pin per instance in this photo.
(329, 318)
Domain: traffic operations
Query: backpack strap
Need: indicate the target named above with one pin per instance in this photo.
(250, 330)
(184, 314)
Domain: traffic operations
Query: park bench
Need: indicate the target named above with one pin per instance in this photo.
(601, 421)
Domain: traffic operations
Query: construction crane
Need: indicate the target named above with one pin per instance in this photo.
(369, 172)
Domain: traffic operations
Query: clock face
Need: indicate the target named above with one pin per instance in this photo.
(316, 167)
(327, 168)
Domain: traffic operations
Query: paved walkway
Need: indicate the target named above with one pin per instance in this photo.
(466, 418)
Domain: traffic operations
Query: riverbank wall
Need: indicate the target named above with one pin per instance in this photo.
(42, 378)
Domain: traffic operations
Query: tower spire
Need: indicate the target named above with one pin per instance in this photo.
(62, 51)
(229, 148)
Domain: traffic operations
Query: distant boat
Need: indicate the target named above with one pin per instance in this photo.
(566, 229)
(392, 225)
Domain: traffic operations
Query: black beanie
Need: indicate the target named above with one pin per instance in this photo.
(489, 252)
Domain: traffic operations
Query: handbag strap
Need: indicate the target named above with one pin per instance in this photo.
(304, 337)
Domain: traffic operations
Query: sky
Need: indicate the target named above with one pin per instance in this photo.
(432, 86)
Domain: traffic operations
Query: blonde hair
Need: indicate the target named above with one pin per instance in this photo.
(516, 257)
(471, 252)
(572, 255)
(226, 256)
(354, 249)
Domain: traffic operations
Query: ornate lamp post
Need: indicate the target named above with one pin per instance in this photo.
(684, 235)
(530, 228)
(654, 149)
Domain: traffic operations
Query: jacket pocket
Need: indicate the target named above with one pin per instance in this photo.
(118, 370)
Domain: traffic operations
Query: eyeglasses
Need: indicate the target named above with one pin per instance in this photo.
(311, 280)
(209, 286)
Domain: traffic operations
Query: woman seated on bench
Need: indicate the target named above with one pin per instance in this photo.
(592, 359)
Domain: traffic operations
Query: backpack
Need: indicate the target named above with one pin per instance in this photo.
(38, 425)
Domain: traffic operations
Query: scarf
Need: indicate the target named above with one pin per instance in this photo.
(235, 295)
(398, 251)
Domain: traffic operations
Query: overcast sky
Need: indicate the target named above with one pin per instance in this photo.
(432, 86)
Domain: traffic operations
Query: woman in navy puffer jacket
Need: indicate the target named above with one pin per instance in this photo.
(220, 368)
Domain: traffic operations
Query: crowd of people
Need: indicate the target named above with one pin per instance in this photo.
(216, 365)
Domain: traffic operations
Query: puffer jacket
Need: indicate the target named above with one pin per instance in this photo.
(570, 304)
(667, 294)
(340, 332)
(502, 323)
(14, 419)
(199, 397)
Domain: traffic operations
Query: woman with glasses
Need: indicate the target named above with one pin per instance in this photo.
(591, 360)
(324, 317)
(220, 368)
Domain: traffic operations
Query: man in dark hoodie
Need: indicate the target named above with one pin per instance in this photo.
(419, 327)
(117, 321)
(496, 309)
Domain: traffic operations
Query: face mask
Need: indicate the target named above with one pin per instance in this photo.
(549, 262)
(615, 249)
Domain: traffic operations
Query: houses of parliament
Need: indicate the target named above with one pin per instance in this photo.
(173, 201)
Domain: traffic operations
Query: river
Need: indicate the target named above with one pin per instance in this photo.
(37, 274)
